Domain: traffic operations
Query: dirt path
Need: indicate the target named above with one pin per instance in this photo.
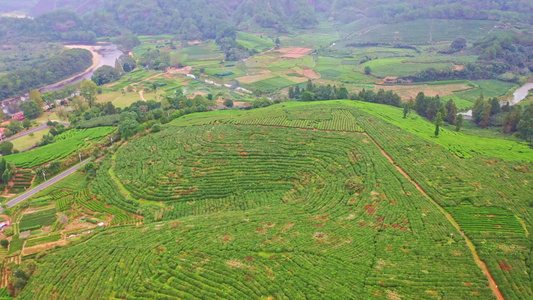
(141, 94)
(492, 283)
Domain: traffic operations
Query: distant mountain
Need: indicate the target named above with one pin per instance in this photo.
(200, 19)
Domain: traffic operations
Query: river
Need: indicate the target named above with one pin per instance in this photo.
(104, 54)
(519, 95)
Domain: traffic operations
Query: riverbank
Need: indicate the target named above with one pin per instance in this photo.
(97, 61)
(97, 57)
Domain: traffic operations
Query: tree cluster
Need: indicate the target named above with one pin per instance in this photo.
(50, 71)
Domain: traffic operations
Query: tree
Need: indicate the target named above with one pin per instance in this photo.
(525, 126)
(421, 104)
(228, 103)
(31, 109)
(127, 124)
(406, 109)
(451, 111)
(6, 148)
(343, 93)
(368, 70)
(459, 44)
(459, 122)
(127, 62)
(36, 97)
(438, 124)
(485, 115)
(291, 92)
(496, 106)
(26, 123)
(6, 176)
(127, 41)
(477, 110)
(118, 67)
(4, 243)
(15, 126)
(88, 90)
(307, 96)
(106, 74)
(309, 87)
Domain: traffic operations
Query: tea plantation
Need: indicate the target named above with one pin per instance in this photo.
(330, 200)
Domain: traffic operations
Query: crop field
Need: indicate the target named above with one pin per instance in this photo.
(151, 41)
(410, 91)
(400, 67)
(273, 83)
(37, 219)
(483, 219)
(202, 52)
(254, 42)
(131, 78)
(422, 32)
(65, 144)
(451, 182)
(489, 88)
(22, 181)
(258, 212)
(43, 240)
(300, 200)
(120, 99)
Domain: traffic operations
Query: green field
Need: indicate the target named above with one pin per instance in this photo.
(254, 42)
(299, 200)
(489, 88)
(400, 67)
(65, 144)
(264, 213)
(37, 219)
(28, 141)
(422, 32)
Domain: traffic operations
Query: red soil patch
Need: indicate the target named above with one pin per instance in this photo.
(505, 266)
(307, 73)
(184, 70)
(370, 209)
(319, 225)
(294, 52)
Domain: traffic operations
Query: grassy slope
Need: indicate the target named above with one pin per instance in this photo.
(28, 141)
(461, 144)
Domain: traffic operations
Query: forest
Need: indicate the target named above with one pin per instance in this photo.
(52, 70)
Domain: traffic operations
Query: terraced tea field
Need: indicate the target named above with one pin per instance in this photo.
(267, 212)
(294, 201)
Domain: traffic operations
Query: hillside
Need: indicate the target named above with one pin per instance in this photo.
(297, 200)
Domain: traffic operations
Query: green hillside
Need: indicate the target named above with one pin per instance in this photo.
(300, 200)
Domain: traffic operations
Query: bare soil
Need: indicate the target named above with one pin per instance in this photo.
(294, 52)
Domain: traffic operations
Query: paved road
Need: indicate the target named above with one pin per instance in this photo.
(44, 126)
(44, 185)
